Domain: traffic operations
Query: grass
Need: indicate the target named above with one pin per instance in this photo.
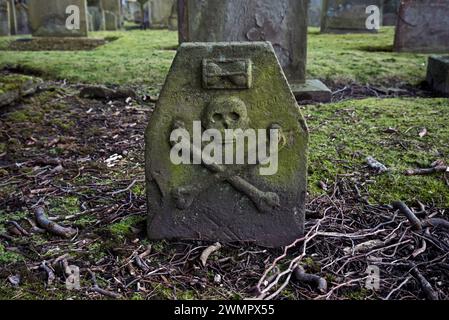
(144, 58)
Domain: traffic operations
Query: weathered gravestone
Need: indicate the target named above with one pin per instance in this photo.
(96, 11)
(218, 86)
(112, 14)
(423, 26)
(282, 22)
(48, 18)
(4, 18)
(22, 18)
(314, 13)
(158, 12)
(438, 74)
(390, 12)
(12, 17)
(348, 16)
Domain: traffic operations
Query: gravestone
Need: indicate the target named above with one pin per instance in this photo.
(22, 18)
(233, 85)
(12, 17)
(314, 13)
(48, 18)
(423, 26)
(347, 16)
(112, 14)
(438, 74)
(283, 23)
(390, 12)
(96, 11)
(5, 24)
(173, 19)
(158, 13)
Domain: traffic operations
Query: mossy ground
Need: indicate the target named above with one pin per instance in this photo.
(342, 135)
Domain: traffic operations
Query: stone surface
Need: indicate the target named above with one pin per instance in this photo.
(113, 14)
(438, 74)
(23, 26)
(13, 87)
(48, 18)
(56, 44)
(191, 201)
(314, 13)
(311, 90)
(4, 18)
(96, 11)
(346, 16)
(423, 26)
(390, 12)
(283, 23)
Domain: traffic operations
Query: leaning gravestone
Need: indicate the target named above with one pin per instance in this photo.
(423, 26)
(213, 87)
(314, 13)
(347, 16)
(113, 14)
(438, 74)
(96, 11)
(282, 22)
(4, 18)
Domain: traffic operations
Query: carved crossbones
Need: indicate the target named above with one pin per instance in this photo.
(184, 196)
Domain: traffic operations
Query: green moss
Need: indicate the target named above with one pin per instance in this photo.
(345, 133)
(7, 257)
(64, 206)
(2, 147)
(359, 294)
(25, 115)
(124, 227)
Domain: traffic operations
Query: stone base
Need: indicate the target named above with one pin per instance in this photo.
(56, 44)
(438, 74)
(312, 90)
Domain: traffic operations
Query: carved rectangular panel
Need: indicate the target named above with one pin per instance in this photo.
(227, 74)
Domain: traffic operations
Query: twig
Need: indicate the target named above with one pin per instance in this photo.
(436, 223)
(51, 226)
(416, 172)
(208, 251)
(425, 285)
(50, 274)
(127, 188)
(403, 208)
(104, 292)
(314, 280)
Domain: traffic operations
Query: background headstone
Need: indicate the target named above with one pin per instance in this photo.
(282, 22)
(5, 24)
(112, 14)
(23, 26)
(438, 74)
(158, 13)
(346, 16)
(423, 26)
(96, 11)
(314, 13)
(178, 205)
(390, 12)
(48, 18)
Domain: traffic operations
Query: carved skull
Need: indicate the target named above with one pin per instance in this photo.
(226, 113)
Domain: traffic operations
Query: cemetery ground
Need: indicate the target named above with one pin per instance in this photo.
(82, 160)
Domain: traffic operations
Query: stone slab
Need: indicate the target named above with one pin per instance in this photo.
(423, 26)
(13, 87)
(438, 74)
(48, 18)
(249, 91)
(56, 44)
(312, 90)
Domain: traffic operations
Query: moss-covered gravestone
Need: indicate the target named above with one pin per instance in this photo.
(212, 87)
(282, 22)
(423, 26)
(438, 74)
(158, 12)
(347, 16)
(112, 14)
(5, 25)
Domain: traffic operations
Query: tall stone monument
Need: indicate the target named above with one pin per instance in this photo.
(282, 22)
(423, 26)
(5, 24)
(348, 16)
(226, 91)
(48, 18)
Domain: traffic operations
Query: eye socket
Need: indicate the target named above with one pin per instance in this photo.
(217, 117)
(234, 116)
